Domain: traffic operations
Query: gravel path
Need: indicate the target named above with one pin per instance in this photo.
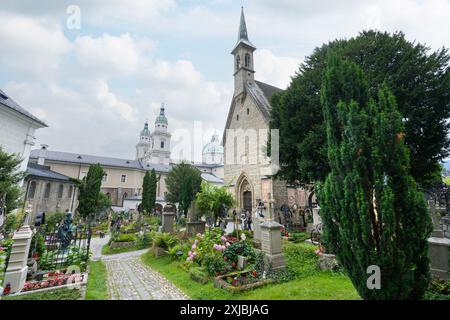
(130, 279)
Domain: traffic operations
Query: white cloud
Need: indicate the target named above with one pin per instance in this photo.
(109, 100)
(112, 55)
(275, 70)
(30, 45)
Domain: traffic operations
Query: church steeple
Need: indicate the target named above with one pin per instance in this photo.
(243, 58)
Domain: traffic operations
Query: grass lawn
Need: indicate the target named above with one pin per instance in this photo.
(58, 294)
(97, 287)
(314, 286)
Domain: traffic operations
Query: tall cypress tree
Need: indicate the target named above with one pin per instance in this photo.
(88, 197)
(146, 193)
(373, 213)
(152, 189)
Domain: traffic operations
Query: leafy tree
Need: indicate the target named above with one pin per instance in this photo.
(211, 200)
(183, 183)
(10, 176)
(419, 80)
(372, 211)
(89, 195)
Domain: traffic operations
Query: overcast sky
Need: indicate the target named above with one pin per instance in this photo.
(95, 86)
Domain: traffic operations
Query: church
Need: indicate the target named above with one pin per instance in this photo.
(248, 172)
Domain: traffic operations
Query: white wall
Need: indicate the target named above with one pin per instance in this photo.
(16, 134)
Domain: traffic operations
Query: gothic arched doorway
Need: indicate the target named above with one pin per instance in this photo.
(247, 200)
(244, 192)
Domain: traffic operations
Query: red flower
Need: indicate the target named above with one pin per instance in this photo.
(254, 273)
(233, 264)
(225, 258)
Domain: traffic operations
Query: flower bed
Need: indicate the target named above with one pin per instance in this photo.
(240, 281)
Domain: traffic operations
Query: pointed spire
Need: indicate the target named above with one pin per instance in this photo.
(242, 27)
(242, 33)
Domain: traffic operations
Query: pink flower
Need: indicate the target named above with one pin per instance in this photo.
(227, 244)
(223, 239)
(190, 253)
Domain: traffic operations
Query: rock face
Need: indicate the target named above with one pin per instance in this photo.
(327, 262)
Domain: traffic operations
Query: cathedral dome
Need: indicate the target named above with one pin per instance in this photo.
(213, 146)
(162, 117)
(145, 132)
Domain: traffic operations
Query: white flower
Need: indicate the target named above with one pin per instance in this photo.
(243, 237)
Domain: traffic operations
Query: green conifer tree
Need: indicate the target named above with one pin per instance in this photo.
(88, 198)
(372, 211)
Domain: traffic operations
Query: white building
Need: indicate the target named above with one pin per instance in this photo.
(17, 127)
(154, 147)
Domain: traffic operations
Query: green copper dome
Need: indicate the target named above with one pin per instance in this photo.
(213, 146)
(145, 132)
(162, 117)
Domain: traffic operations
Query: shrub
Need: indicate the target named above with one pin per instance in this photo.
(299, 236)
(13, 221)
(438, 290)
(215, 264)
(165, 240)
(199, 274)
(241, 248)
(38, 242)
(146, 239)
(301, 259)
(52, 219)
(178, 252)
(125, 237)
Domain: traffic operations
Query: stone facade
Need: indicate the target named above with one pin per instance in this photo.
(48, 191)
(247, 170)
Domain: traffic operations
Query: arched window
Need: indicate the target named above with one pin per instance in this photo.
(162, 144)
(32, 190)
(60, 191)
(69, 194)
(247, 60)
(108, 195)
(238, 62)
(47, 190)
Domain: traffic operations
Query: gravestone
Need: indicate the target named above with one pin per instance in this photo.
(271, 240)
(168, 219)
(438, 244)
(193, 225)
(16, 272)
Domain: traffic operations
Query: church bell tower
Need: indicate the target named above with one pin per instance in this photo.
(243, 58)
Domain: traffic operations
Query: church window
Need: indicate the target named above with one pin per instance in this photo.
(247, 60)
(32, 190)
(162, 144)
(108, 195)
(248, 111)
(123, 178)
(69, 194)
(105, 177)
(60, 191)
(238, 62)
(47, 191)
(237, 117)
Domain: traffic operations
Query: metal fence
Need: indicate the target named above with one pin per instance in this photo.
(63, 250)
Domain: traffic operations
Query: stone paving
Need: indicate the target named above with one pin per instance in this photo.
(130, 279)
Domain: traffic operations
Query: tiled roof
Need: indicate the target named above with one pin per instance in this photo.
(262, 92)
(36, 170)
(90, 159)
(208, 177)
(6, 101)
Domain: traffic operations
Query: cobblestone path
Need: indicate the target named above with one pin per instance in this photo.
(130, 279)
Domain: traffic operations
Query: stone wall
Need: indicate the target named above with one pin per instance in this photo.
(40, 203)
